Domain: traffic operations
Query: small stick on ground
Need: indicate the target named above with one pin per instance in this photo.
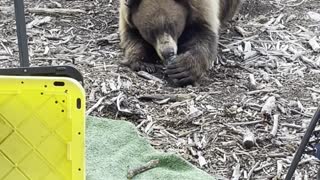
(268, 107)
(262, 166)
(252, 82)
(89, 111)
(294, 126)
(309, 160)
(55, 11)
(309, 62)
(252, 170)
(314, 90)
(249, 139)
(151, 164)
(172, 97)
(246, 123)
(236, 172)
(314, 44)
(149, 76)
(241, 31)
(261, 91)
(279, 169)
(120, 98)
(275, 125)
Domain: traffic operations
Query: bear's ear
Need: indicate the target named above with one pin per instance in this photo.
(131, 3)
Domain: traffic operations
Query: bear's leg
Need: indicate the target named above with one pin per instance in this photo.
(197, 49)
(139, 55)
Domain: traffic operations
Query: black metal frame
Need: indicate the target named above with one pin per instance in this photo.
(25, 70)
(304, 143)
(21, 33)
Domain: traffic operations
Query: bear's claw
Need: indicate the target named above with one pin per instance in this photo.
(184, 70)
(140, 66)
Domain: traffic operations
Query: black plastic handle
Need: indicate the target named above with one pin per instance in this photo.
(62, 71)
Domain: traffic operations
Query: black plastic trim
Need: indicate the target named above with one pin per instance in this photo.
(62, 71)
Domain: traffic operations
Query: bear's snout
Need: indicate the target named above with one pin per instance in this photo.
(168, 53)
(166, 46)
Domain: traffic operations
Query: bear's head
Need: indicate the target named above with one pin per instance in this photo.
(160, 23)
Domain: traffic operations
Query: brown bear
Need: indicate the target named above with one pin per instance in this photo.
(185, 30)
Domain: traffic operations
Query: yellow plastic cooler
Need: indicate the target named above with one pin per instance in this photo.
(42, 128)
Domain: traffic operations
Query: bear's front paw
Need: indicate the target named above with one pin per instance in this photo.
(138, 65)
(184, 70)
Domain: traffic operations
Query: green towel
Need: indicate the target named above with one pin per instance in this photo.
(114, 146)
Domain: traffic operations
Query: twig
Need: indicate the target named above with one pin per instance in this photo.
(55, 11)
(151, 164)
(294, 5)
(308, 61)
(149, 76)
(314, 44)
(95, 105)
(242, 40)
(246, 123)
(277, 155)
(314, 90)
(6, 9)
(268, 107)
(171, 97)
(262, 166)
(261, 91)
(303, 114)
(4, 58)
(236, 172)
(38, 22)
(279, 169)
(119, 100)
(275, 125)
(249, 139)
(294, 126)
(5, 48)
(252, 170)
(277, 82)
(241, 31)
(252, 81)
(311, 159)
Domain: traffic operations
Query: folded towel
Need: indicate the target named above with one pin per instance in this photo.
(114, 147)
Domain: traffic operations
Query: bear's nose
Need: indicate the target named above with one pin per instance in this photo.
(167, 53)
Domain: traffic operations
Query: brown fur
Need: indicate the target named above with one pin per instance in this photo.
(190, 27)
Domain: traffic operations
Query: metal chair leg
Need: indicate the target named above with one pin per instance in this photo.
(301, 150)
(21, 33)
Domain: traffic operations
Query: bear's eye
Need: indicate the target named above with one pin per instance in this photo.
(168, 27)
(148, 34)
(171, 29)
(152, 33)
